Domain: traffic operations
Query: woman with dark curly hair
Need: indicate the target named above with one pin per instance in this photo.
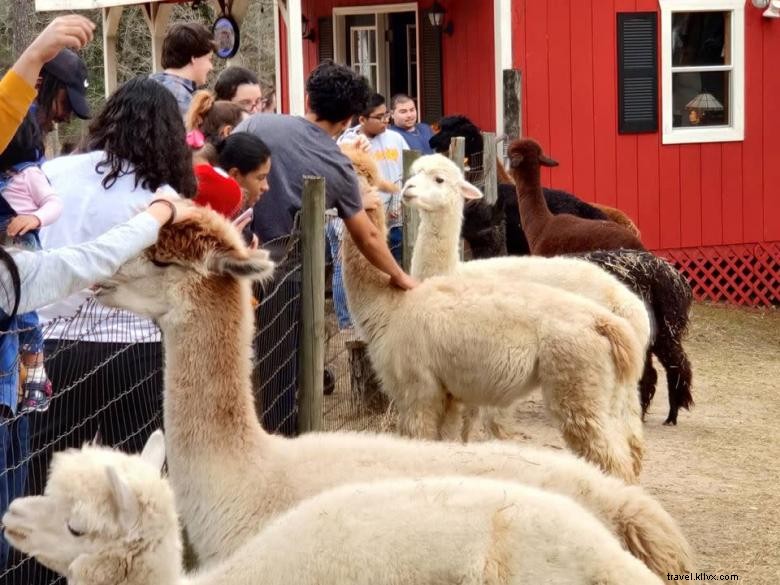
(111, 380)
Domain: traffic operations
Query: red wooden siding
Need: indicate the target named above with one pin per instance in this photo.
(679, 195)
(469, 57)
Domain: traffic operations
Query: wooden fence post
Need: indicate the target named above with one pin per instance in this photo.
(489, 170)
(411, 217)
(311, 355)
(458, 156)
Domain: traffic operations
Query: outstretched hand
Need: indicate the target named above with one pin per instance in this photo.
(21, 224)
(403, 281)
(71, 31)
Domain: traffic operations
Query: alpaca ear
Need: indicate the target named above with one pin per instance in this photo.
(257, 266)
(154, 450)
(125, 503)
(469, 191)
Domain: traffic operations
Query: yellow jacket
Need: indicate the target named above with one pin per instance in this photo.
(16, 97)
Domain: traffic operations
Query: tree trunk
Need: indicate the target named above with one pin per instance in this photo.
(23, 24)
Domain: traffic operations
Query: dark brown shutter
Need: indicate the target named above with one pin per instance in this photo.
(637, 45)
(431, 75)
(325, 49)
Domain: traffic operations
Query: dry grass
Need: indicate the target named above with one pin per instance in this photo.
(717, 472)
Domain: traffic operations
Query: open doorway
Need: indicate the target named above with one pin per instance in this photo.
(380, 42)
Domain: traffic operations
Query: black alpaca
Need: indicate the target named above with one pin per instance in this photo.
(668, 298)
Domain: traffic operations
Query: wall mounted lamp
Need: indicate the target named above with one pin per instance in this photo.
(772, 7)
(436, 18)
(308, 33)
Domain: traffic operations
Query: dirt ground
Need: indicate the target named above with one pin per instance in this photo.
(718, 471)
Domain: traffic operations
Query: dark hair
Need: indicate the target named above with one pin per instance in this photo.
(336, 92)
(141, 131)
(243, 151)
(184, 42)
(25, 146)
(400, 97)
(48, 91)
(228, 81)
(374, 101)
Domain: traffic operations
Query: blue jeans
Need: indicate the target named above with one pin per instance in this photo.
(14, 451)
(395, 239)
(333, 231)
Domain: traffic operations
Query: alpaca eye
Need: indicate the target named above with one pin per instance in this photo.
(74, 532)
(160, 264)
(439, 180)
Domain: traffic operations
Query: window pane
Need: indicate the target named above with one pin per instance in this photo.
(701, 98)
(700, 38)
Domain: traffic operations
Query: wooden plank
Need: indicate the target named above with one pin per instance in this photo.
(583, 128)
(536, 80)
(490, 172)
(771, 162)
(731, 192)
(753, 147)
(648, 187)
(311, 357)
(411, 216)
(559, 47)
(711, 194)
(519, 58)
(690, 195)
(669, 196)
(605, 101)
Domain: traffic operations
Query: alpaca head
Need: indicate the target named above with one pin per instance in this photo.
(366, 168)
(526, 156)
(437, 185)
(452, 126)
(102, 511)
(204, 253)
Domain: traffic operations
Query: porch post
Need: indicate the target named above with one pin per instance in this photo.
(295, 57)
(277, 55)
(157, 17)
(502, 35)
(110, 17)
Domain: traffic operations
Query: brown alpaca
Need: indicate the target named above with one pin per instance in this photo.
(619, 218)
(551, 235)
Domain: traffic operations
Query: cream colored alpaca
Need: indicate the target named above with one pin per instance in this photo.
(108, 517)
(437, 189)
(485, 342)
(231, 478)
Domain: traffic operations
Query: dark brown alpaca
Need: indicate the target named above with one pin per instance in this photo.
(548, 234)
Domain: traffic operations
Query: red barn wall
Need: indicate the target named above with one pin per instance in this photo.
(681, 196)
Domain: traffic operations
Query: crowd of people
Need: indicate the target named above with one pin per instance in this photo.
(71, 221)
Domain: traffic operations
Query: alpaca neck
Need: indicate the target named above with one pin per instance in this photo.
(534, 213)
(208, 396)
(436, 246)
(370, 295)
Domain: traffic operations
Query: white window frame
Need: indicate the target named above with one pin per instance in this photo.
(735, 131)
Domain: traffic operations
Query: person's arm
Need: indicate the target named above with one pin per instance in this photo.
(374, 247)
(49, 275)
(49, 205)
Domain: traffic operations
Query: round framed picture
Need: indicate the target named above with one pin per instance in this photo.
(226, 36)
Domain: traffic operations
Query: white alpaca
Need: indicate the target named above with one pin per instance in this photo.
(231, 478)
(485, 342)
(438, 189)
(108, 517)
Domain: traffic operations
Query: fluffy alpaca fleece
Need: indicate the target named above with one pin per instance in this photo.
(437, 189)
(548, 234)
(669, 297)
(231, 478)
(466, 530)
(481, 341)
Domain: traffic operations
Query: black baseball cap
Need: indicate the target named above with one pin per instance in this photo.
(71, 70)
